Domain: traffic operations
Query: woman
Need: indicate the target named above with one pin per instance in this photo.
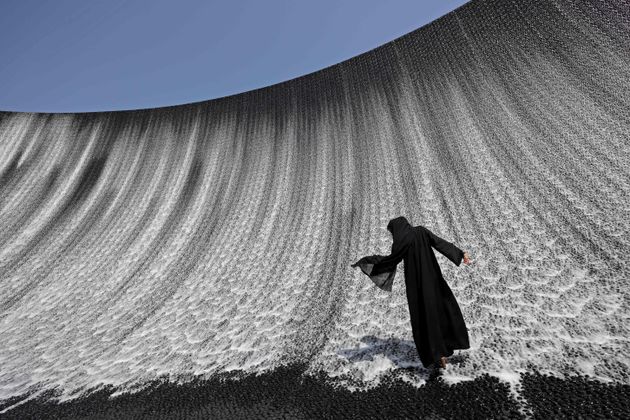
(436, 320)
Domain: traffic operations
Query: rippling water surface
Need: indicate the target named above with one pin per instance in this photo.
(218, 236)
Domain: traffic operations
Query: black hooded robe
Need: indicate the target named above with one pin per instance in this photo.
(436, 320)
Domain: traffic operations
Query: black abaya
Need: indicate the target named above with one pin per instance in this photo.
(436, 320)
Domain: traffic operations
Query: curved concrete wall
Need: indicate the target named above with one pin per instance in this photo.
(219, 235)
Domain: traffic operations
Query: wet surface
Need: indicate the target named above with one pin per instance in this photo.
(196, 240)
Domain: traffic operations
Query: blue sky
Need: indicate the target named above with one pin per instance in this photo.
(80, 56)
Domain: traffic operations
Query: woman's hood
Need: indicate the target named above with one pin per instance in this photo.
(399, 226)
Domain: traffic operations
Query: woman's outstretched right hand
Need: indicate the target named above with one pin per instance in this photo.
(466, 258)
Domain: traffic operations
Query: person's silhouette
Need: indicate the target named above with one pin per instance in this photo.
(436, 320)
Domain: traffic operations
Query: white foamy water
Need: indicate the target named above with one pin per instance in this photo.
(218, 236)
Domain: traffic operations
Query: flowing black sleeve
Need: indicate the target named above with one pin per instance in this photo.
(381, 269)
(446, 248)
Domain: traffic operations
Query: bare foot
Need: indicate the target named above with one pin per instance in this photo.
(442, 362)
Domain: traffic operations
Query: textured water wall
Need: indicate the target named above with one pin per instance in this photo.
(216, 236)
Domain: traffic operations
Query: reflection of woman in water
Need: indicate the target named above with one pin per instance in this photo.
(436, 320)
